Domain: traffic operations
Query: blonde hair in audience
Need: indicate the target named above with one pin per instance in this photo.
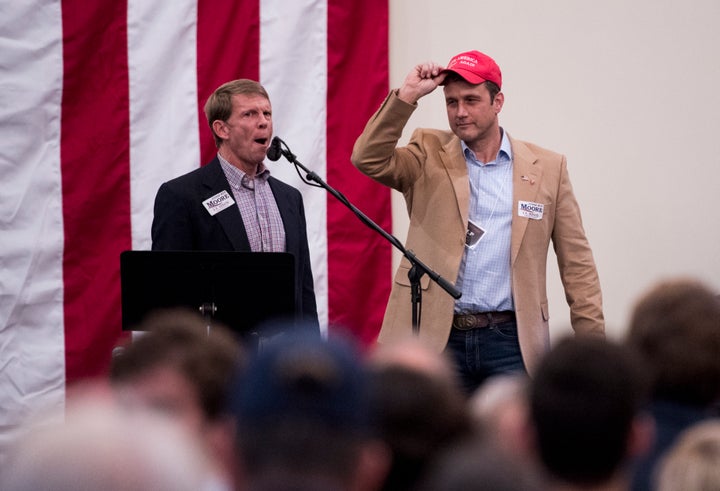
(693, 463)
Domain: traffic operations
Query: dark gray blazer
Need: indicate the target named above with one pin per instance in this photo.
(182, 223)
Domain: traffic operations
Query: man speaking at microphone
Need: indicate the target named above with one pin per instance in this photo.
(233, 203)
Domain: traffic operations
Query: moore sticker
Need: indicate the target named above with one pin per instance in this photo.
(218, 203)
(531, 210)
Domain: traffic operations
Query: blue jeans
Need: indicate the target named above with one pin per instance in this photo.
(483, 352)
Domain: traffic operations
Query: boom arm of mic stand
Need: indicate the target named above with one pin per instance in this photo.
(442, 282)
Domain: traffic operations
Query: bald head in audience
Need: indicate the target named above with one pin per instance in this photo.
(99, 447)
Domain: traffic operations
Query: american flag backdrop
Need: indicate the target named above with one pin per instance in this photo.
(101, 101)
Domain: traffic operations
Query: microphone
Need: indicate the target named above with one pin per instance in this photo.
(274, 152)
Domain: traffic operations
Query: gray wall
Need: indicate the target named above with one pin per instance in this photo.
(629, 91)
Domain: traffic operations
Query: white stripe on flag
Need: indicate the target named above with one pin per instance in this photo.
(293, 69)
(162, 65)
(32, 358)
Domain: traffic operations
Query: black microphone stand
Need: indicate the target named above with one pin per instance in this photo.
(418, 268)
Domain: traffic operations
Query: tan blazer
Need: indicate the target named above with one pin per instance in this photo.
(432, 175)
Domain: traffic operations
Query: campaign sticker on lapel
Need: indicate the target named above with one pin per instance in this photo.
(216, 204)
(528, 209)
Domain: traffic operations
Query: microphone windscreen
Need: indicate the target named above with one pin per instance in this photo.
(274, 151)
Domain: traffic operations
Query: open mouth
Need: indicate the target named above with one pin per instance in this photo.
(261, 141)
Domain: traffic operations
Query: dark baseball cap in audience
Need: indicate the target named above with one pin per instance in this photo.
(304, 378)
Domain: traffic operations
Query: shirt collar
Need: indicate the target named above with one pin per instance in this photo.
(504, 154)
(235, 176)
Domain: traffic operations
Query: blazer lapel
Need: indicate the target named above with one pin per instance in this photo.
(229, 219)
(456, 168)
(526, 183)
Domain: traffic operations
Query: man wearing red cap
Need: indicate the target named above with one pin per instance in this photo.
(483, 209)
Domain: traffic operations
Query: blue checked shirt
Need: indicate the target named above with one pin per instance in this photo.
(484, 276)
(259, 211)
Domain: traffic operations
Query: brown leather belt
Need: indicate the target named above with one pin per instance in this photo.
(482, 319)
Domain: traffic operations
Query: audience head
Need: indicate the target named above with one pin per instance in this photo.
(99, 447)
(693, 462)
(414, 354)
(675, 327)
(178, 366)
(303, 417)
(585, 404)
(499, 409)
(181, 369)
(418, 406)
(478, 466)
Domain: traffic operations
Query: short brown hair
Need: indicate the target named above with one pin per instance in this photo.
(492, 87)
(219, 104)
(675, 327)
(180, 339)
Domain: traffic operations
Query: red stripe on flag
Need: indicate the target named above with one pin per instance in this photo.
(228, 47)
(95, 179)
(359, 260)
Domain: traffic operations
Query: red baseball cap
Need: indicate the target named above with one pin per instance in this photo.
(475, 67)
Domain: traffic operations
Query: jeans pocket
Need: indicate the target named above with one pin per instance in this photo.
(507, 330)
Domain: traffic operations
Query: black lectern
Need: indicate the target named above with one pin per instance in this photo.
(239, 289)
